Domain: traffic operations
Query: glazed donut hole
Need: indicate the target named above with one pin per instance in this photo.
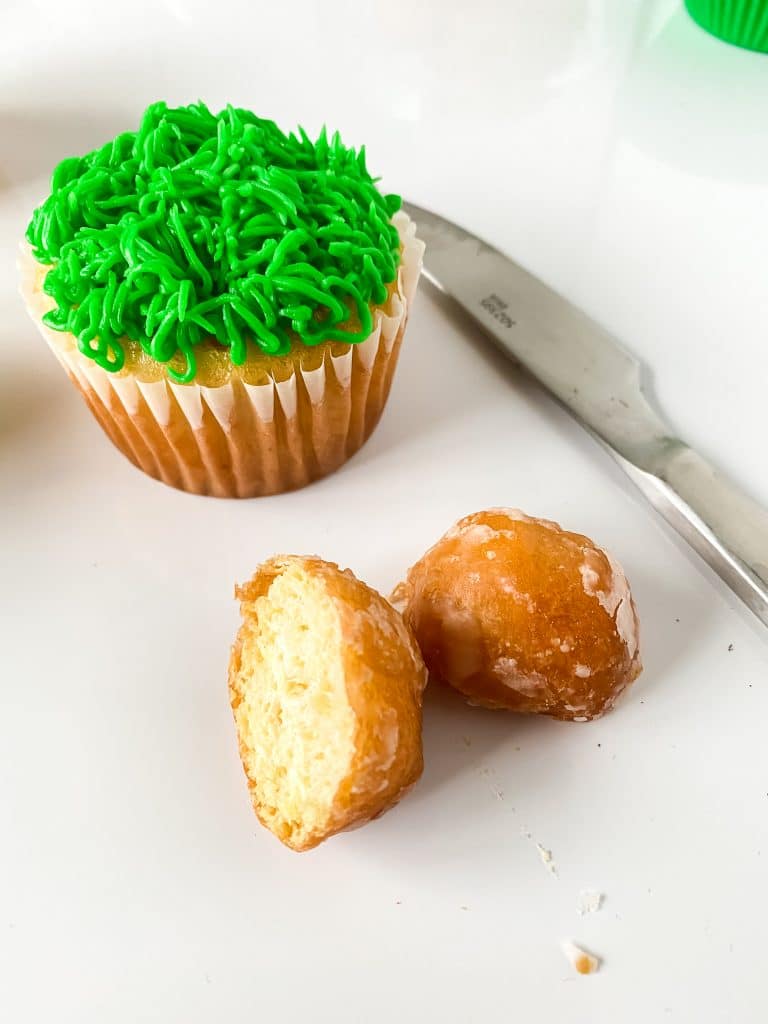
(517, 613)
(325, 684)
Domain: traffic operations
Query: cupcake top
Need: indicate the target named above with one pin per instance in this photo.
(205, 228)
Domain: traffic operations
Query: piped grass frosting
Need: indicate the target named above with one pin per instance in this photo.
(205, 228)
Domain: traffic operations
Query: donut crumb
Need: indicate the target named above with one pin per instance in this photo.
(581, 961)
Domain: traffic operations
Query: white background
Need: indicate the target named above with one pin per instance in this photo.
(620, 153)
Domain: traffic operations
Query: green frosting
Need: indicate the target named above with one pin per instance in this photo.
(218, 226)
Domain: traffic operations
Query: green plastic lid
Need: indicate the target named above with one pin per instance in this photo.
(741, 22)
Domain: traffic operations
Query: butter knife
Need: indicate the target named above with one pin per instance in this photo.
(601, 384)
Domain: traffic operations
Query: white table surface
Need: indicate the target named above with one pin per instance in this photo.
(620, 153)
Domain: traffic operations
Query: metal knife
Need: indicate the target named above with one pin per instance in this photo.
(601, 384)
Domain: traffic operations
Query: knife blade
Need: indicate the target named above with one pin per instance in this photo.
(590, 373)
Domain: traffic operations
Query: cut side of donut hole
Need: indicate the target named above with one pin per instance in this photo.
(294, 720)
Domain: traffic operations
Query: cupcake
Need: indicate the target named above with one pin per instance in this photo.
(741, 22)
(229, 300)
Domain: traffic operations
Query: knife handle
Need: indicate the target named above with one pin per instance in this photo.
(726, 527)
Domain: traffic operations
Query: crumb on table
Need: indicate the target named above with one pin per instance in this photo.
(589, 902)
(581, 961)
(547, 859)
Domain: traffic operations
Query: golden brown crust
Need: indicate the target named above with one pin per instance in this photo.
(517, 613)
(384, 678)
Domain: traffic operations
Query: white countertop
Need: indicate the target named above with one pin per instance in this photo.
(622, 155)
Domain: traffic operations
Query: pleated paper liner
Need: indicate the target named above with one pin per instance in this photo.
(307, 415)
